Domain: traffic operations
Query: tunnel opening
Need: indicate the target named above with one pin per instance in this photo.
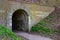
(20, 20)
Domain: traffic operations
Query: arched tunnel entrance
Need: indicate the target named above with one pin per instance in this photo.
(20, 20)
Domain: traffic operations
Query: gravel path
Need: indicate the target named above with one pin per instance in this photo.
(32, 37)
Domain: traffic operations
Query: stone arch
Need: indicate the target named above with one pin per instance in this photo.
(12, 8)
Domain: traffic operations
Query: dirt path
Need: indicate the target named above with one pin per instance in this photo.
(32, 37)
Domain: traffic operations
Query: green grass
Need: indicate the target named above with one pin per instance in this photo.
(6, 34)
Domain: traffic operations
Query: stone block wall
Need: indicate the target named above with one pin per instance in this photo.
(3, 8)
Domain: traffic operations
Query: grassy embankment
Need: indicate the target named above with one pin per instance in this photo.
(6, 34)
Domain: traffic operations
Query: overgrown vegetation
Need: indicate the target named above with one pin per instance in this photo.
(43, 28)
(6, 34)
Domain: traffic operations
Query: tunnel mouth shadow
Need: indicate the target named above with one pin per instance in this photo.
(20, 21)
